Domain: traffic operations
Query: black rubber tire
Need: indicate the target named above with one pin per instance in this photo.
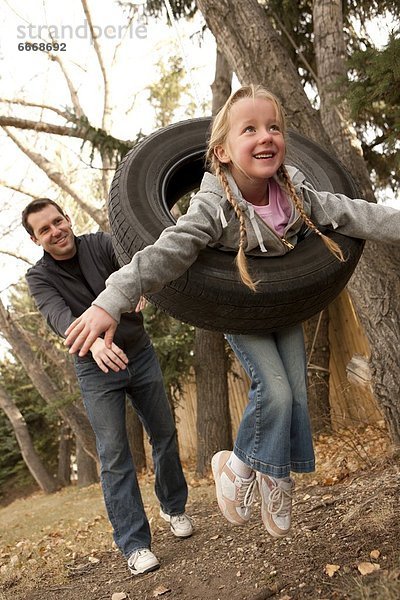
(291, 289)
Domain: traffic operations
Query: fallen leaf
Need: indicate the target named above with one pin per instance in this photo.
(366, 568)
(160, 590)
(93, 560)
(119, 596)
(214, 537)
(331, 569)
(374, 554)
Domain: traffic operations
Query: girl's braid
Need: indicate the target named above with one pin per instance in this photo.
(241, 259)
(332, 246)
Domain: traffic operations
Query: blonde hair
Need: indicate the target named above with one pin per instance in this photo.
(218, 137)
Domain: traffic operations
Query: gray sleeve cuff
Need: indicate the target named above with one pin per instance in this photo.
(114, 302)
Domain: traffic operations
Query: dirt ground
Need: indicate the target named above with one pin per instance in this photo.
(344, 545)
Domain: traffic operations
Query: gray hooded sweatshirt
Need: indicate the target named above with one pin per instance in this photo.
(211, 221)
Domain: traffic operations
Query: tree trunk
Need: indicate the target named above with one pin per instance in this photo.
(210, 355)
(375, 290)
(254, 50)
(31, 458)
(64, 456)
(86, 467)
(222, 84)
(70, 413)
(134, 430)
(317, 344)
(375, 287)
(330, 53)
(214, 431)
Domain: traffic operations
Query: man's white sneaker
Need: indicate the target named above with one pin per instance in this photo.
(234, 494)
(142, 561)
(181, 525)
(276, 504)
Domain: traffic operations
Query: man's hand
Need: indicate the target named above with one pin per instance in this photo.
(113, 357)
(84, 331)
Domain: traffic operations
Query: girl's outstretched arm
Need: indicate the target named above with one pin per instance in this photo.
(90, 325)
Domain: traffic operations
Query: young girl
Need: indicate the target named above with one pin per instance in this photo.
(253, 204)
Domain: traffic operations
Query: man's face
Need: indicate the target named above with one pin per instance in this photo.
(53, 232)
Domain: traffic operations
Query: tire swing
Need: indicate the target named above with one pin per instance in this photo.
(155, 174)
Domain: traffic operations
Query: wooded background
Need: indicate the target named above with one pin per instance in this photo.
(339, 89)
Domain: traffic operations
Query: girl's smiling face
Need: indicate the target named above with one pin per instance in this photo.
(255, 145)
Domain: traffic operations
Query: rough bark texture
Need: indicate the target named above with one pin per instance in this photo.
(375, 290)
(214, 431)
(222, 84)
(31, 458)
(375, 285)
(330, 51)
(254, 49)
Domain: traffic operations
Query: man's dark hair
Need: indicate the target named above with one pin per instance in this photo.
(36, 206)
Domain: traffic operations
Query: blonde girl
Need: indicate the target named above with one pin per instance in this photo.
(253, 204)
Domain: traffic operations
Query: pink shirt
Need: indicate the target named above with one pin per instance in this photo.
(277, 212)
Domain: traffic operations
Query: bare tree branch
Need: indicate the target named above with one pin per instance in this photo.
(58, 178)
(106, 102)
(19, 190)
(72, 91)
(22, 102)
(106, 120)
(18, 256)
(43, 127)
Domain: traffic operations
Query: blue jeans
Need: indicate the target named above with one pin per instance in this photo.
(104, 398)
(274, 435)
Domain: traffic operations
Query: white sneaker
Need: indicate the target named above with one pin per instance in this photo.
(181, 525)
(235, 494)
(276, 504)
(142, 561)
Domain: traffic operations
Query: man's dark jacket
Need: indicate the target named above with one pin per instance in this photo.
(62, 297)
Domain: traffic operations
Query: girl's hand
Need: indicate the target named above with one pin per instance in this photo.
(113, 358)
(87, 328)
(141, 304)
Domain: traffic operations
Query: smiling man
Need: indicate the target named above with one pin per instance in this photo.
(64, 283)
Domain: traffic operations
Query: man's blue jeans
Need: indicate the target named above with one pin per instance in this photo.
(104, 398)
(274, 435)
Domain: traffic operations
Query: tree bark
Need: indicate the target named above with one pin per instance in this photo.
(214, 430)
(222, 84)
(375, 287)
(31, 458)
(255, 51)
(64, 456)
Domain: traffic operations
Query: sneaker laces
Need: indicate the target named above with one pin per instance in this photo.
(245, 494)
(280, 501)
(180, 518)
